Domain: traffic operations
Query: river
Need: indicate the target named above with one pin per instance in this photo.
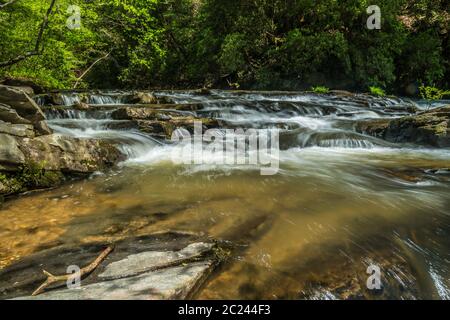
(340, 202)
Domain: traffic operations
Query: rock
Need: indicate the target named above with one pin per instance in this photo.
(18, 130)
(24, 106)
(143, 98)
(22, 82)
(143, 262)
(427, 128)
(430, 128)
(173, 283)
(341, 93)
(45, 161)
(71, 155)
(10, 154)
(3, 189)
(7, 114)
(164, 129)
(131, 113)
(168, 265)
(42, 128)
(79, 105)
(376, 128)
(21, 103)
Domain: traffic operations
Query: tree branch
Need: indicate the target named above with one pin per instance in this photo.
(37, 44)
(89, 69)
(51, 279)
(4, 5)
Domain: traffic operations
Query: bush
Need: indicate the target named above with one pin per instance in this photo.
(320, 90)
(376, 91)
(432, 93)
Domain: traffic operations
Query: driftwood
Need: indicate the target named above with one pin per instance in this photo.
(52, 279)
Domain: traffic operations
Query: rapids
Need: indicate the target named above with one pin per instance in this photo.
(340, 202)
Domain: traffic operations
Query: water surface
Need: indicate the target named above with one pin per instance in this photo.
(341, 201)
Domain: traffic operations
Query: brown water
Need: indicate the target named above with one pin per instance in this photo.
(310, 231)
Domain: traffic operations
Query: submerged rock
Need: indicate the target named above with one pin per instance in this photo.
(161, 266)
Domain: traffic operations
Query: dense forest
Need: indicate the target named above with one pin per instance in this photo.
(256, 44)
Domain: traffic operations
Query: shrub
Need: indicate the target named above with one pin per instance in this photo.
(320, 90)
(376, 91)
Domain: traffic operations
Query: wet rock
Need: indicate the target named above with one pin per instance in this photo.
(168, 265)
(430, 128)
(28, 163)
(79, 105)
(67, 154)
(164, 129)
(130, 113)
(143, 98)
(376, 128)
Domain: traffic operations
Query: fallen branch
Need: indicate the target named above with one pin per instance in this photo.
(52, 279)
(89, 69)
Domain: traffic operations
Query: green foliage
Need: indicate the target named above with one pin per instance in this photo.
(30, 176)
(249, 43)
(376, 91)
(320, 90)
(432, 93)
(33, 175)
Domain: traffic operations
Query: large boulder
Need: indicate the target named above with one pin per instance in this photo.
(430, 128)
(67, 154)
(18, 100)
(45, 161)
(22, 82)
(427, 128)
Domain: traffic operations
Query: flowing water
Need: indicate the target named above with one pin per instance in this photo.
(341, 201)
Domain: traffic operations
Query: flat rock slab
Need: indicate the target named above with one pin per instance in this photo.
(160, 266)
